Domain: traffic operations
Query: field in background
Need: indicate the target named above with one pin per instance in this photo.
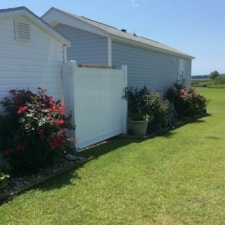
(209, 83)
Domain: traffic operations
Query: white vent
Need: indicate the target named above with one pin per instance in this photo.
(22, 31)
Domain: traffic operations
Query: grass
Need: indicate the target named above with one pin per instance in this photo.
(176, 178)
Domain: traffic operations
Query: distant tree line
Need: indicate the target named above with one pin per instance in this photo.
(214, 75)
(200, 77)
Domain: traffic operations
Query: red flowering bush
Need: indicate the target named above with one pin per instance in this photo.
(194, 103)
(187, 102)
(33, 129)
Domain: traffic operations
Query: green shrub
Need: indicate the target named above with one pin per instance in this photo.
(33, 130)
(187, 102)
(137, 103)
(157, 107)
(173, 90)
(3, 179)
(196, 103)
(146, 104)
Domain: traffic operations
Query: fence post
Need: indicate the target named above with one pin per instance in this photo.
(125, 119)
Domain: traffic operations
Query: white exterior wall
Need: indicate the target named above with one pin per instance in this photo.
(32, 64)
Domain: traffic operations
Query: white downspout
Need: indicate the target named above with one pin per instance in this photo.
(64, 53)
(109, 51)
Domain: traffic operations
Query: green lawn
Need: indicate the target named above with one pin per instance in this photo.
(175, 178)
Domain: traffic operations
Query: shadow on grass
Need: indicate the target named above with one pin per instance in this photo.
(90, 153)
(213, 137)
(108, 146)
(65, 176)
(167, 134)
(117, 142)
(59, 181)
(197, 121)
(105, 147)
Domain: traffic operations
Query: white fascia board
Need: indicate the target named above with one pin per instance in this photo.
(54, 17)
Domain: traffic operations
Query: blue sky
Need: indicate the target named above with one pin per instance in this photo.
(196, 27)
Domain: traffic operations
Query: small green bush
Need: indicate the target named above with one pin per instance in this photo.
(32, 130)
(3, 179)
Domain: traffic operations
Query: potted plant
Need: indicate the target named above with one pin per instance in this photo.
(139, 123)
(137, 110)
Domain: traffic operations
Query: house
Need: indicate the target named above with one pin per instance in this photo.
(31, 53)
(149, 62)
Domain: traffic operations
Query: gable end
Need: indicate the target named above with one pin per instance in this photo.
(22, 31)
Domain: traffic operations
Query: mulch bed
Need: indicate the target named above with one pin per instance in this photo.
(18, 185)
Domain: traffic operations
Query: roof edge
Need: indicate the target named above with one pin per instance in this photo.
(112, 32)
(155, 48)
(70, 19)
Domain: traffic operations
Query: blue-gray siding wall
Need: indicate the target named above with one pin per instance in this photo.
(86, 47)
(145, 67)
(188, 72)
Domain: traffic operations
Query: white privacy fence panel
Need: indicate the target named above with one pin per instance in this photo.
(95, 97)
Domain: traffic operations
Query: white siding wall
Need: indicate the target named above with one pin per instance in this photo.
(32, 64)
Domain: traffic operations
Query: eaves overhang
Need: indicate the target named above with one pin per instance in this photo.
(165, 50)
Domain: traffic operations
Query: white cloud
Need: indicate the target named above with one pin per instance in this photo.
(135, 3)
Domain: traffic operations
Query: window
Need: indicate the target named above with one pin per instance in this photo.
(22, 31)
